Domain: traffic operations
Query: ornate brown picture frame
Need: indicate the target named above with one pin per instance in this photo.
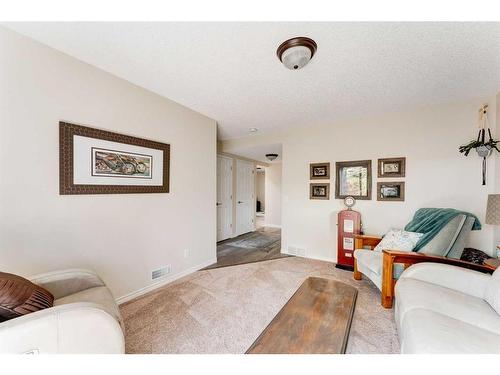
(130, 172)
(391, 167)
(391, 191)
(353, 179)
(319, 171)
(319, 191)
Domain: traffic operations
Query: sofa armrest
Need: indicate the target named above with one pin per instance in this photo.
(362, 241)
(462, 280)
(78, 328)
(65, 282)
(409, 258)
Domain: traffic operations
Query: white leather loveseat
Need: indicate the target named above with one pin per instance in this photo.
(85, 318)
(446, 309)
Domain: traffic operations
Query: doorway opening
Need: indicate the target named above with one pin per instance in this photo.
(248, 207)
(260, 192)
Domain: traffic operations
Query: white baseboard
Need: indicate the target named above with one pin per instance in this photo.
(272, 225)
(130, 296)
(315, 257)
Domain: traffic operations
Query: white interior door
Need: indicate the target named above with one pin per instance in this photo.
(245, 197)
(224, 198)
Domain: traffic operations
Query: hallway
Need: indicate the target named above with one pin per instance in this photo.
(262, 244)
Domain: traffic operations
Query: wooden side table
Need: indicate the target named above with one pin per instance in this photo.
(492, 263)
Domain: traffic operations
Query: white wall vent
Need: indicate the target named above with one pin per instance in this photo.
(160, 272)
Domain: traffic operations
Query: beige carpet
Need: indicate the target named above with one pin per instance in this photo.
(224, 310)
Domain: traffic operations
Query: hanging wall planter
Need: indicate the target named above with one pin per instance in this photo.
(482, 146)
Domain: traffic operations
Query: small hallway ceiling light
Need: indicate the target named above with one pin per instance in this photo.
(271, 157)
(253, 130)
(295, 53)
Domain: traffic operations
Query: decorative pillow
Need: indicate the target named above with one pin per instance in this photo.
(398, 239)
(19, 296)
(474, 255)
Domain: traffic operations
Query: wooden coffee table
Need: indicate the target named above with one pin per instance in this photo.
(316, 320)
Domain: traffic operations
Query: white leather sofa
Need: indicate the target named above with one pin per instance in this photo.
(84, 319)
(446, 309)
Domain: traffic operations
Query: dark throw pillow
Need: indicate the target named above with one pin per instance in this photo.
(474, 255)
(19, 296)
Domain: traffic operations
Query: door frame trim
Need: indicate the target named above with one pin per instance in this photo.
(235, 193)
(232, 231)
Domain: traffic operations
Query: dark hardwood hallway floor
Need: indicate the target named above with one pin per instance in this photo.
(263, 244)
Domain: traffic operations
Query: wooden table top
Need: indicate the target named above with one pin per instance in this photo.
(493, 263)
(316, 320)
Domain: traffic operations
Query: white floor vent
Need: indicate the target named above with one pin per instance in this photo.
(160, 272)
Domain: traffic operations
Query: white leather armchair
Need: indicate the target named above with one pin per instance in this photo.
(84, 319)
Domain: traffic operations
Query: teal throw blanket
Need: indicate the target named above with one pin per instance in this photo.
(430, 221)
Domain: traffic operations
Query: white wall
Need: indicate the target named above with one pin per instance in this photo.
(437, 174)
(261, 189)
(122, 237)
(273, 195)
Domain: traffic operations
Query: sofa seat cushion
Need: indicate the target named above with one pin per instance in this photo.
(372, 260)
(98, 295)
(427, 332)
(415, 294)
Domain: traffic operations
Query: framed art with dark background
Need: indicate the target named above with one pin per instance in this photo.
(391, 191)
(95, 161)
(319, 191)
(319, 171)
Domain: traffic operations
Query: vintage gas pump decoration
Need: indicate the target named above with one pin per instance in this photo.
(349, 224)
(483, 148)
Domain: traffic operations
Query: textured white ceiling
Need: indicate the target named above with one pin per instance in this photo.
(229, 71)
(259, 152)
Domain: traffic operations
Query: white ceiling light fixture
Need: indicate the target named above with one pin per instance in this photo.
(295, 53)
(271, 157)
(253, 130)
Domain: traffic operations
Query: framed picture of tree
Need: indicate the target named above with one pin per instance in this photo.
(353, 178)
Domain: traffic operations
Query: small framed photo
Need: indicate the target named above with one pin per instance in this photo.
(391, 191)
(392, 167)
(319, 191)
(319, 171)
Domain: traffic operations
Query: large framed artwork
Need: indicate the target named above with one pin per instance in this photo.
(94, 161)
(353, 178)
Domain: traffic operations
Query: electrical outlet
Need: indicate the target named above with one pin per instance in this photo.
(160, 272)
(186, 253)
